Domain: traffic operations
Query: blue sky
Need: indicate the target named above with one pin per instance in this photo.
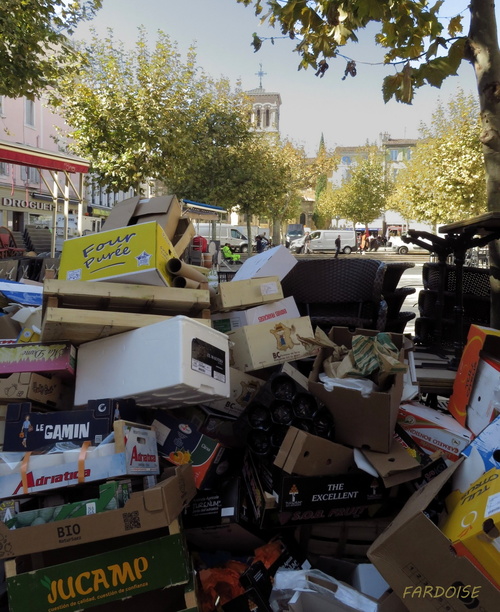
(348, 112)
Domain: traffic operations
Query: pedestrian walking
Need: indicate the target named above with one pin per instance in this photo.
(307, 243)
(338, 244)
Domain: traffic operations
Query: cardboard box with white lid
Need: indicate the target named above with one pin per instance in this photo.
(173, 363)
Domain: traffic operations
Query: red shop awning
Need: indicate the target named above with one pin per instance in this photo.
(24, 155)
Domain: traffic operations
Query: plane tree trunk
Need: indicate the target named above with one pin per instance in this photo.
(484, 54)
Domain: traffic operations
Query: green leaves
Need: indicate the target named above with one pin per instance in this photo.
(445, 179)
(363, 196)
(150, 114)
(410, 31)
(34, 50)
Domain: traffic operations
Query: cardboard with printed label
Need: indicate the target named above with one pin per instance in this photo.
(153, 508)
(246, 293)
(282, 500)
(271, 343)
(30, 386)
(135, 569)
(57, 358)
(484, 400)
(220, 519)
(434, 431)
(243, 389)
(416, 559)
(135, 254)
(42, 429)
(181, 443)
(282, 309)
(133, 452)
(479, 339)
(473, 524)
(176, 362)
(164, 210)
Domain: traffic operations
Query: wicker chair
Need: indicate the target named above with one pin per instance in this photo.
(475, 297)
(345, 292)
(395, 296)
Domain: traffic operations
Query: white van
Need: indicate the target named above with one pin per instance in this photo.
(397, 244)
(324, 241)
(225, 233)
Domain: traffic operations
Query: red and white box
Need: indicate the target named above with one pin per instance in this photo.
(434, 431)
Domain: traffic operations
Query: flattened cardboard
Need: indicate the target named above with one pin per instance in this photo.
(413, 553)
(396, 466)
(184, 233)
(360, 421)
(304, 454)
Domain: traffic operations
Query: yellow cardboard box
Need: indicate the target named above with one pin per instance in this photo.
(268, 344)
(134, 254)
(473, 524)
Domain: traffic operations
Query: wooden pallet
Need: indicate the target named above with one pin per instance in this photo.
(85, 311)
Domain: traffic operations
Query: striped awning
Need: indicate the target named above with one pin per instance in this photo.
(25, 155)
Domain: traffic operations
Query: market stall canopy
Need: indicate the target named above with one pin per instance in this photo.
(198, 210)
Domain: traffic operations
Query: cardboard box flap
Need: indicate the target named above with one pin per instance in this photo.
(305, 454)
(173, 494)
(397, 460)
(155, 206)
(121, 214)
(143, 210)
(417, 503)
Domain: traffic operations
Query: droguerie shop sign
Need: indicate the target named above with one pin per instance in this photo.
(99, 579)
(29, 204)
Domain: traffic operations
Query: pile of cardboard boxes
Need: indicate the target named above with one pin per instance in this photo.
(186, 447)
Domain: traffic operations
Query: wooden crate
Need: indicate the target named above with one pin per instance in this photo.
(82, 311)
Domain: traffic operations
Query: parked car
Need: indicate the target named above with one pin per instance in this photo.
(324, 241)
(397, 244)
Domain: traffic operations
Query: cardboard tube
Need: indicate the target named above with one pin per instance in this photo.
(177, 267)
(180, 281)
